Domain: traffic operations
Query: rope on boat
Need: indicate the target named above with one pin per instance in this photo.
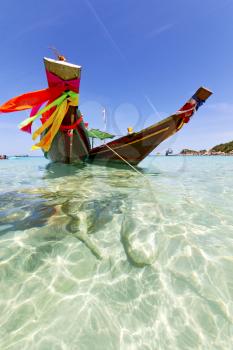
(118, 155)
(151, 189)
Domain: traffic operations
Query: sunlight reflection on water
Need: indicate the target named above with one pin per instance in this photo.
(101, 258)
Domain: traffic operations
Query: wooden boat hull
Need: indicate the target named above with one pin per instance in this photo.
(70, 147)
(135, 147)
(71, 144)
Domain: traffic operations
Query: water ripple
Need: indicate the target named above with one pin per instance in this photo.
(101, 258)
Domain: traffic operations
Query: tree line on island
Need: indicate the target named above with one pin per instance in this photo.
(221, 149)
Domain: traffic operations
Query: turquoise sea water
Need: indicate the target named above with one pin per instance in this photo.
(103, 258)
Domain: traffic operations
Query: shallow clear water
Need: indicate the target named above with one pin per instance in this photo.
(103, 258)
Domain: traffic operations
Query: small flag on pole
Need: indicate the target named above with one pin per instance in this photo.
(104, 119)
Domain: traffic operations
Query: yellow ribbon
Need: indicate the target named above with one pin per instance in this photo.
(54, 122)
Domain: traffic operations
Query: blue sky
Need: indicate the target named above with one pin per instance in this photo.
(141, 60)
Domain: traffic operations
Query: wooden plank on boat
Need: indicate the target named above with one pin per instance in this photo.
(64, 70)
(203, 93)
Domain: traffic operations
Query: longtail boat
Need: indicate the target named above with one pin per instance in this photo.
(64, 137)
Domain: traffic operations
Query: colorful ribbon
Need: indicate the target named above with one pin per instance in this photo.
(58, 103)
(31, 99)
(53, 123)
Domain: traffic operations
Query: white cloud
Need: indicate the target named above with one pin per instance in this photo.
(220, 107)
(160, 30)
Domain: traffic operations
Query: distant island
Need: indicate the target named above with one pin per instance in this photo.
(224, 149)
(21, 155)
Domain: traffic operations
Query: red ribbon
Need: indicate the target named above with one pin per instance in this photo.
(71, 127)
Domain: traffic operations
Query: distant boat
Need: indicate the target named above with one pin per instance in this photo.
(64, 137)
(169, 152)
(3, 157)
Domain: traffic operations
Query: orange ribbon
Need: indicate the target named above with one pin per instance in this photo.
(31, 99)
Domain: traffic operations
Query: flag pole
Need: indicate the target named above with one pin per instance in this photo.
(105, 120)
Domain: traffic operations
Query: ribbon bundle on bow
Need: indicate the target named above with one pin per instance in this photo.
(58, 103)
